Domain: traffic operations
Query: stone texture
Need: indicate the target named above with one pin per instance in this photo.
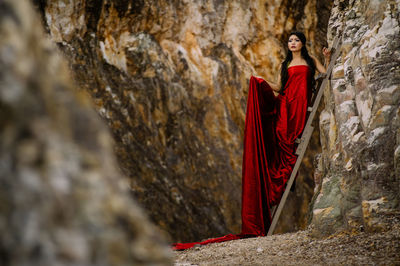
(63, 200)
(359, 126)
(170, 79)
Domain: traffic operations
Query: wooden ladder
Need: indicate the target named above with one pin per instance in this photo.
(322, 81)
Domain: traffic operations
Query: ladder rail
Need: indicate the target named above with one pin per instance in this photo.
(305, 137)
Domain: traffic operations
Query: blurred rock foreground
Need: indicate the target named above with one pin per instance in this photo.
(62, 198)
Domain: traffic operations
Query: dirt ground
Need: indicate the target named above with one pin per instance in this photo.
(300, 249)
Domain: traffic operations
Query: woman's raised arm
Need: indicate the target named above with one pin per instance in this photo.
(327, 56)
(274, 86)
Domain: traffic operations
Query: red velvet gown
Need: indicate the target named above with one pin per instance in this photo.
(271, 128)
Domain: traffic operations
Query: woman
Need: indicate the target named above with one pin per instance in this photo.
(272, 125)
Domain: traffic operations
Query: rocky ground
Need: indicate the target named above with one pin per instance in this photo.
(300, 249)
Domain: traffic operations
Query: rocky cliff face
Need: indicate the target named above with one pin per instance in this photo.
(360, 125)
(171, 78)
(63, 200)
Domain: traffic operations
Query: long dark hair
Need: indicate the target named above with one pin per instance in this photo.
(288, 59)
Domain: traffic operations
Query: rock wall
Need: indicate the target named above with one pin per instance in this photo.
(170, 79)
(63, 200)
(360, 125)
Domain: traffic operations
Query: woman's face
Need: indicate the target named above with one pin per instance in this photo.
(294, 43)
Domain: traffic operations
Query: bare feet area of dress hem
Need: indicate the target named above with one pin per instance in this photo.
(300, 249)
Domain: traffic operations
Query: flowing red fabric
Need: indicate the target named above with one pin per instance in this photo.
(271, 128)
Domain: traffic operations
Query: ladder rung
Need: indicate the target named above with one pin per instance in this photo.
(309, 108)
(297, 140)
(299, 149)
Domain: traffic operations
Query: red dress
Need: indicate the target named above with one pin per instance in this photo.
(271, 128)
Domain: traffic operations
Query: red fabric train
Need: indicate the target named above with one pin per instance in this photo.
(271, 128)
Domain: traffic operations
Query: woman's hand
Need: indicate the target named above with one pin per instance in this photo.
(326, 52)
(327, 55)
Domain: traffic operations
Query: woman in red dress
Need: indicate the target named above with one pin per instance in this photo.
(275, 117)
(272, 125)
